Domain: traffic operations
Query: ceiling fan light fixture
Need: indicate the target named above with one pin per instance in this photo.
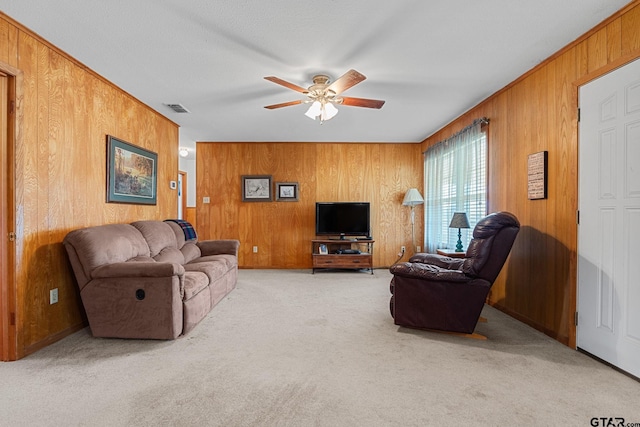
(321, 110)
(314, 111)
(329, 111)
(324, 96)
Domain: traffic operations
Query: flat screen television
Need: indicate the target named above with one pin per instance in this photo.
(342, 219)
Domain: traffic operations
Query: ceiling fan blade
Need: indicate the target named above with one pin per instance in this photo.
(362, 102)
(284, 104)
(287, 84)
(347, 80)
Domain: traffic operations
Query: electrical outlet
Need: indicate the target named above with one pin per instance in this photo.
(402, 249)
(255, 249)
(418, 248)
(53, 296)
(206, 200)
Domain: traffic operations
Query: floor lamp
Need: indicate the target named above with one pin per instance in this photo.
(413, 198)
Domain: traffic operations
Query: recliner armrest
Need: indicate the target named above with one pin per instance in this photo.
(137, 269)
(439, 260)
(219, 247)
(428, 272)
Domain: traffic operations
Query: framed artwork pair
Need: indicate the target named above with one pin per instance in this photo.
(258, 188)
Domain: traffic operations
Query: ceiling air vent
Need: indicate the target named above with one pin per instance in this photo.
(178, 108)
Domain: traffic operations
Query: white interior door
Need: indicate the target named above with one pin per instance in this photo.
(609, 230)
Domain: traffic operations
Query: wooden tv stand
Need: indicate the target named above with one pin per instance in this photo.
(334, 260)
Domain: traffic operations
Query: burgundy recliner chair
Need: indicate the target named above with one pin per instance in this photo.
(437, 292)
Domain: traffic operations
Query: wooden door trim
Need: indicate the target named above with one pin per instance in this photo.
(183, 174)
(611, 66)
(4, 244)
(11, 198)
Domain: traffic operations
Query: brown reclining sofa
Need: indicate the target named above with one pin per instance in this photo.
(149, 279)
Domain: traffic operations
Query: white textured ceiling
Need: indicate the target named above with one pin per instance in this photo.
(431, 60)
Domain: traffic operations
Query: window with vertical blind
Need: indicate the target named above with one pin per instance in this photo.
(455, 181)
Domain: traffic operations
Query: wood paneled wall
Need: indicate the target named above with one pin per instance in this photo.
(535, 113)
(65, 112)
(377, 173)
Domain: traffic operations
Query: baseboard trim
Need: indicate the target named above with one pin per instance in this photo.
(530, 322)
(52, 339)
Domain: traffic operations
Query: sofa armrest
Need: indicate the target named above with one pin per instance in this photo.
(137, 269)
(428, 272)
(135, 307)
(219, 247)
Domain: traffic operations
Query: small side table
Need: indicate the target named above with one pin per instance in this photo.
(451, 253)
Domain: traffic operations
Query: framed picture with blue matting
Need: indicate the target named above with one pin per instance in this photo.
(132, 173)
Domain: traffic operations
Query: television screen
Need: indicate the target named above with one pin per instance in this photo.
(342, 219)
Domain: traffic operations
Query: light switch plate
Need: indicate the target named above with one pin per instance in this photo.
(53, 296)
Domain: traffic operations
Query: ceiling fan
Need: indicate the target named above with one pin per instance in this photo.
(323, 96)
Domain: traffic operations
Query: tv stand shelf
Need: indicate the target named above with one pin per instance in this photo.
(332, 259)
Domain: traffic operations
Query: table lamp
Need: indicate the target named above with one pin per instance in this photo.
(459, 221)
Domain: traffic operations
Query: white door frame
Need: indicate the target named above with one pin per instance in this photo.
(603, 344)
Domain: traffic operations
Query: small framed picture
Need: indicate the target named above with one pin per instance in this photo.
(256, 188)
(322, 250)
(537, 164)
(287, 191)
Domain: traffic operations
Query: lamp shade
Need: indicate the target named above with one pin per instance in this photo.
(314, 111)
(459, 220)
(329, 111)
(321, 110)
(412, 198)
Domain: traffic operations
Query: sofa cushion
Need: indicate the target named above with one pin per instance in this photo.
(145, 258)
(158, 235)
(189, 248)
(194, 282)
(182, 228)
(213, 270)
(190, 251)
(170, 254)
(89, 248)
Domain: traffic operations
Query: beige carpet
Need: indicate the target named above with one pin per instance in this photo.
(288, 348)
